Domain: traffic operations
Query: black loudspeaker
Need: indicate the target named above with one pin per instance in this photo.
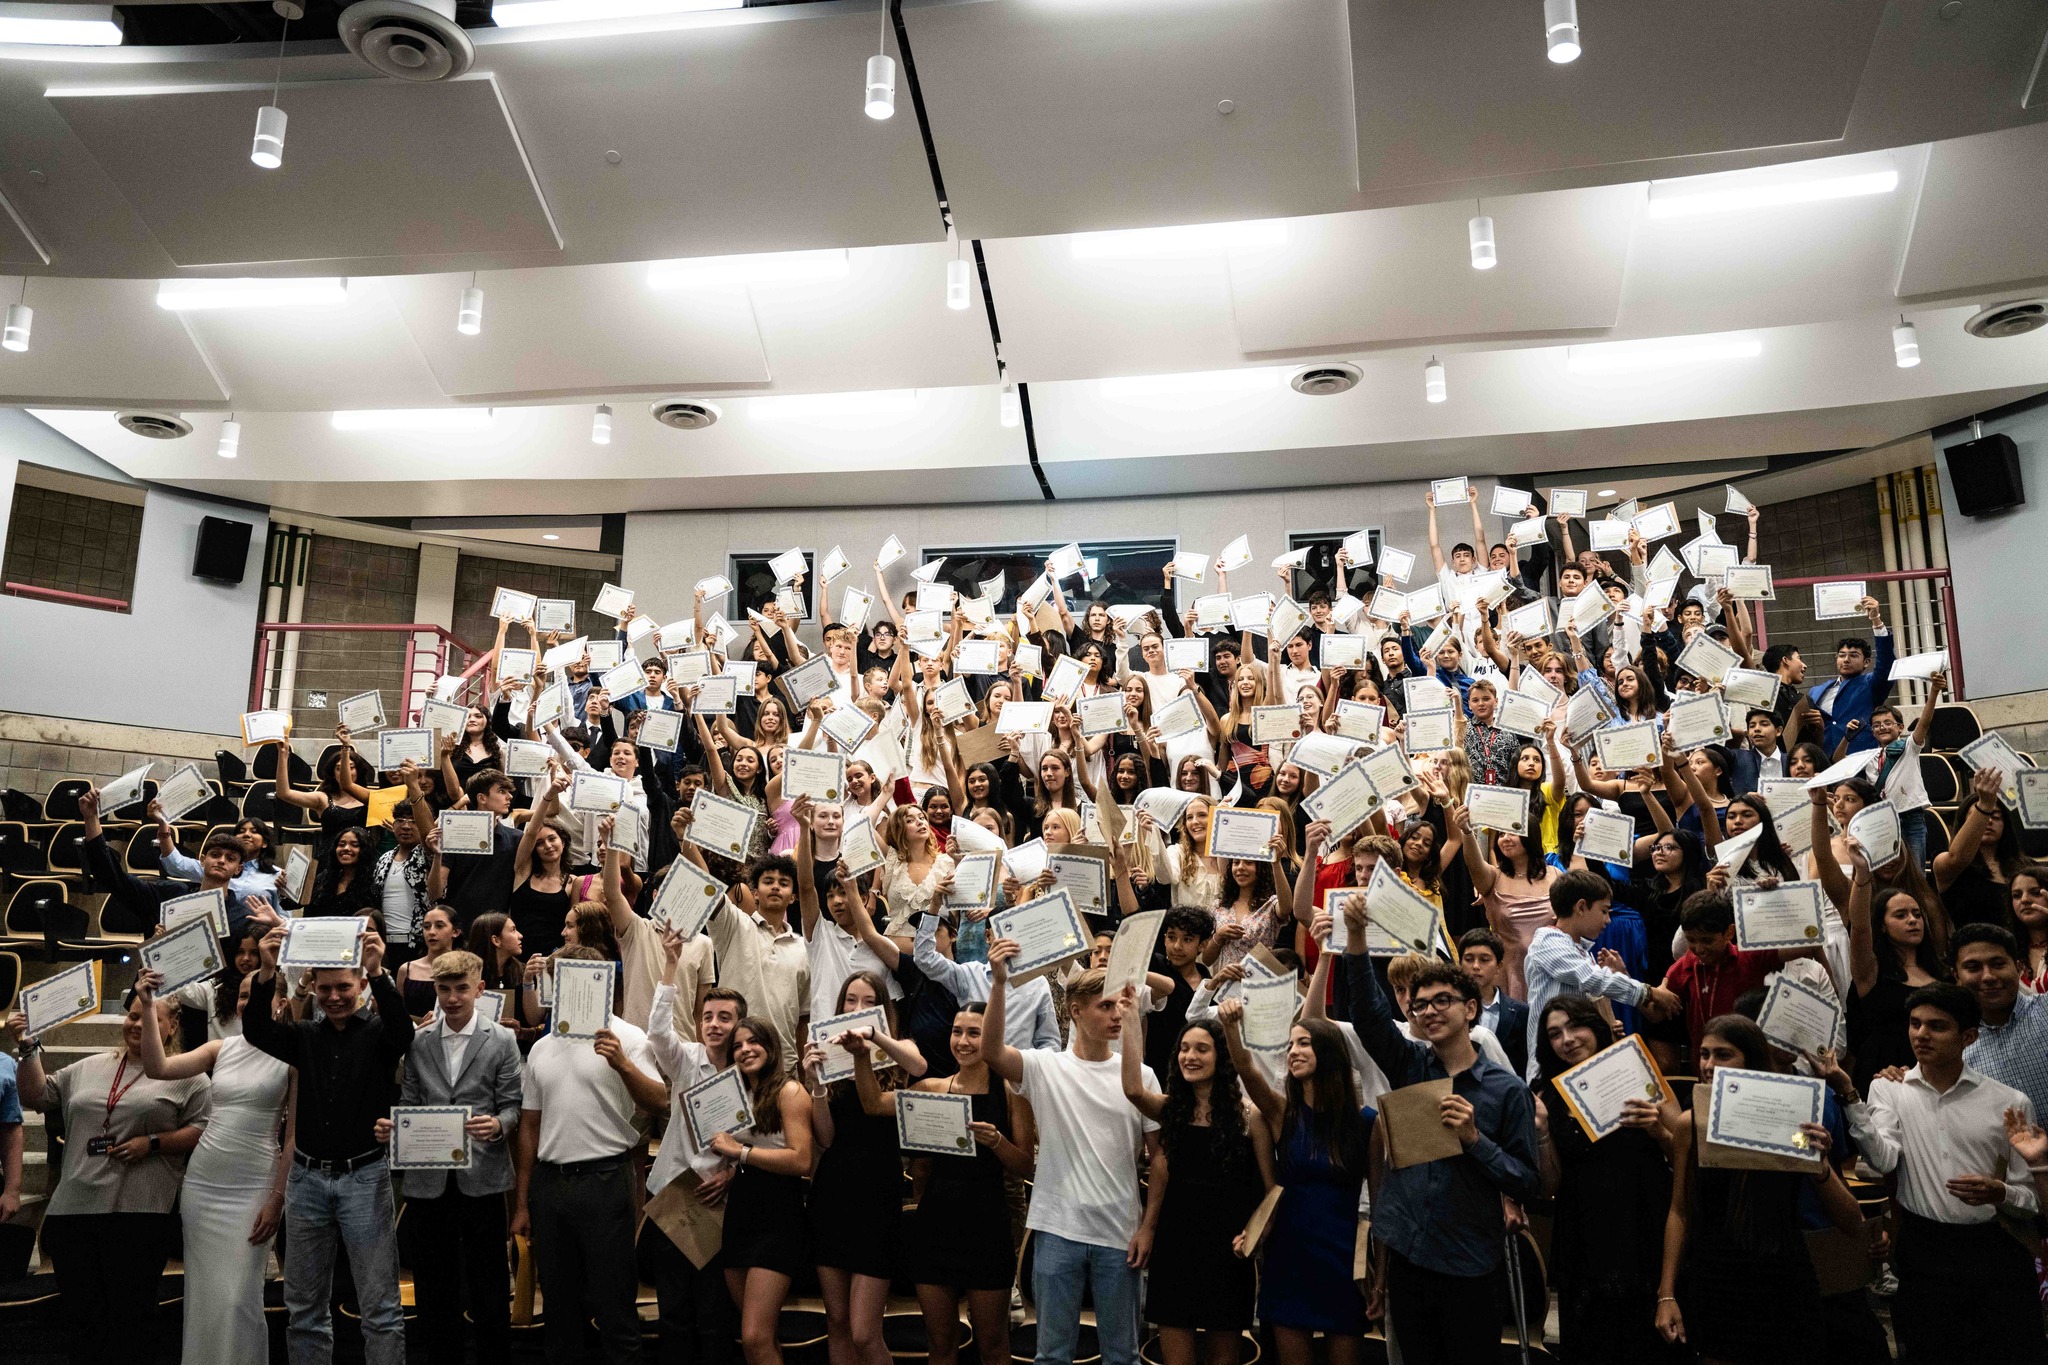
(1986, 475)
(223, 551)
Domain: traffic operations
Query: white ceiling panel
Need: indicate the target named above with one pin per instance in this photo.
(352, 355)
(1404, 274)
(372, 168)
(577, 330)
(18, 245)
(1981, 216)
(1449, 92)
(1942, 70)
(96, 337)
(1058, 116)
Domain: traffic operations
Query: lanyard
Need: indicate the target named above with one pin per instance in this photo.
(116, 1091)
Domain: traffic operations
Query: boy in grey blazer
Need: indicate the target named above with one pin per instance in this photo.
(457, 1218)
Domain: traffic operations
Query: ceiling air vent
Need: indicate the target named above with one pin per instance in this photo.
(1322, 380)
(412, 40)
(2008, 319)
(684, 415)
(158, 426)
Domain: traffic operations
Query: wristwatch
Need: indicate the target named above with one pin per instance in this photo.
(156, 1143)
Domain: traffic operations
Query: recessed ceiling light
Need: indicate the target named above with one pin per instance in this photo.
(531, 13)
(1659, 353)
(549, 535)
(414, 419)
(192, 295)
(1172, 243)
(61, 25)
(1733, 191)
(1605, 493)
(761, 268)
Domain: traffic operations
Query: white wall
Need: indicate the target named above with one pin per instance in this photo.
(667, 553)
(179, 660)
(1997, 564)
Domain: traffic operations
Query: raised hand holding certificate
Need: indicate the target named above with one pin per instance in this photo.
(1986, 751)
(1275, 723)
(1270, 1004)
(1628, 746)
(1757, 1114)
(1429, 732)
(266, 727)
(1347, 800)
(1837, 601)
(1183, 656)
(1505, 809)
(1101, 715)
(597, 793)
(809, 681)
(974, 882)
(1246, 835)
(1750, 583)
(805, 772)
(934, 1123)
(838, 1064)
(1797, 1016)
(396, 748)
(721, 826)
(430, 1137)
(1402, 911)
(688, 897)
(583, 996)
(2033, 794)
(1876, 827)
(60, 998)
(848, 727)
(1597, 1089)
(1049, 933)
(468, 832)
(1083, 876)
(1522, 714)
(1706, 657)
(184, 955)
(324, 941)
(211, 906)
(1130, 952)
(1786, 916)
(717, 1104)
(1178, 717)
(1608, 837)
(1697, 719)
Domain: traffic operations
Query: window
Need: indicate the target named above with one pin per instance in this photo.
(1319, 574)
(74, 538)
(1126, 571)
(753, 585)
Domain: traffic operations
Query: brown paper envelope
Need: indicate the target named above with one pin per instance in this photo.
(979, 745)
(1260, 1223)
(1841, 1260)
(1414, 1124)
(696, 1230)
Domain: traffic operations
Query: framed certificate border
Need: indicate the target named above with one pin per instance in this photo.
(1810, 936)
(1569, 1082)
(920, 1099)
(455, 1161)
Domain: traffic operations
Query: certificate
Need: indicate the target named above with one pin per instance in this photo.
(1271, 723)
(1270, 1004)
(974, 882)
(1396, 564)
(939, 597)
(1584, 714)
(1568, 502)
(1448, 492)
(430, 1137)
(622, 680)
(1622, 747)
(1715, 560)
(1347, 800)
(323, 941)
(604, 654)
(1285, 623)
(211, 906)
(1787, 800)
(1360, 720)
(1798, 1017)
(1696, 719)
(1505, 809)
(1750, 583)
(1425, 604)
(1343, 651)
(1030, 660)
(596, 793)
(509, 604)
(1236, 554)
(124, 790)
(1130, 952)
(836, 563)
(717, 1104)
(513, 665)
(891, 551)
(1657, 523)
(583, 996)
(1243, 834)
(1597, 1089)
(660, 730)
(1509, 502)
(2033, 794)
(1025, 862)
(1526, 532)
(298, 874)
(1837, 601)
(846, 726)
(838, 1065)
(1609, 836)
(717, 695)
(1083, 877)
(1252, 613)
(266, 727)
(806, 772)
(1322, 754)
(612, 601)
(1387, 605)
(1101, 715)
(1532, 621)
(554, 613)
(1917, 666)
(687, 666)
(1068, 673)
(1608, 534)
(1733, 853)
(184, 955)
(1760, 1112)
(365, 710)
(60, 998)
(395, 748)
(858, 848)
(1190, 565)
(1986, 751)
(1706, 657)
(721, 826)
(1179, 717)
(954, 701)
(1750, 688)
(1876, 827)
(1025, 718)
(1786, 916)
(1425, 694)
(1049, 932)
(1522, 714)
(1187, 656)
(1402, 912)
(808, 681)
(1430, 732)
(686, 900)
(854, 606)
(1212, 611)
(1389, 770)
(933, 1123)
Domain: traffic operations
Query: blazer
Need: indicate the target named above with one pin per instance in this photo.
(1513, 1028)
(1857, 698)
(488, 1083)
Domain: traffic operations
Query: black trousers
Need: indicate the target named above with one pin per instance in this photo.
(1967, 1293)
(109, 1269)
(461, 1265)
(698, 1321)
(582, 1216)
(1444, 1319)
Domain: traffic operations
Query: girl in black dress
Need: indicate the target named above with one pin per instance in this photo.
(438, 935)
(540, 877)
(856, 1202)
(764, 1246)
(340, 800)
(1215, 1164)
(959, 1233)
(345, 886)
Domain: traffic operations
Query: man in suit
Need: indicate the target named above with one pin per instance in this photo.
(1484, 957)
(1860, 685)
(463, 1059)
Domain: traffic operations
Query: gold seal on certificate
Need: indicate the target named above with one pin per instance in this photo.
(1049, 932)
(396, 748)
(324, 941)
(1597, 1089)
(470, 833)
(721, 826)
(1696, 720)
(1429, 732)
(717, 1104)
(1757, 1114)
(583, 996)
(430, 1137)
(1785, 916)
(1624, 747)
(935, 1124)
(61, 997)
(1243, 834)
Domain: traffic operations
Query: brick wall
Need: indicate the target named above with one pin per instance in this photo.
(36, 752)
(1824, 535)
(478, 579)
(353, 582)
(72, 543)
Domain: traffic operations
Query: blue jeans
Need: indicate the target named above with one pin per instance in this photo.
(1913, 834)
(356, 1209)
(1060, 1270)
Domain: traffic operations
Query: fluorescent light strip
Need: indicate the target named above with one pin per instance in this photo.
(1175, 243)
(193, 295)
(1662, 353)
(415, 419)
(60, 25)
(1672, 198)
(829, 407)
(739, 272)
(1195, 385)
(531, 13)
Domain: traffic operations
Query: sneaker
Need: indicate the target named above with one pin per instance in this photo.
(1887, 1283)
(1016, 1306)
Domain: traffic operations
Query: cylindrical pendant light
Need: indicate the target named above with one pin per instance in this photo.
(1480, 231)
(469, 318)
(20, 317)
(230, 439)
(601, 425)
(1906, 344)
(1561, 30)
(1012, 409)
(1433, 387)
(268, 149)
(881, 89)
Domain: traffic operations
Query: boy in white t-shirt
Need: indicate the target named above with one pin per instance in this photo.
(1084, 1202)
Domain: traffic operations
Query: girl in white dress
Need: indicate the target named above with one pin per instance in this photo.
(233, 1197)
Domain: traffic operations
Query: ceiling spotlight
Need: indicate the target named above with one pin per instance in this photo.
(1480, 230)
(268, 149)
(1433, 381)
(20, 317)
(601, 425)
(1561, 29)
(230, 439)
(1012, 408)
(1905, 344)
(469, 318)
(880, 101)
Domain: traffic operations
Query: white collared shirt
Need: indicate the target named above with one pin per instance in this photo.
(455, 1042)
(683, 1063)
(1932, 1136)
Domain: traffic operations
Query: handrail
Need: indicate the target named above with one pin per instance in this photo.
(58, 595)
(1951, 635)
(389, 628)
(410, 629)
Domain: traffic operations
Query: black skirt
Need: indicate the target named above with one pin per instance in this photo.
(856, 1204)
(764, 1223)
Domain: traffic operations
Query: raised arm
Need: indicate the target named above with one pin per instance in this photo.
(806, 866)
(1483, 873)
(1937, 683)
(1962, 848)
(714, 766)
(1436, 553)
(155, 1063)
(345, 767)
(1862, 947)
(315, 801)
(1147, 1102)
(1003, 1060)
(522, 861)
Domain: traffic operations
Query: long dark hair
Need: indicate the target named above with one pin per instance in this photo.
(1568, 826)
(1933, 935)
(1262, 889)
(1769, 853)
(266, 857)
(1750, 1225)
(1333, 1122)
(1578, 1010)
(1226, 1101)
(361, 873)
(1692, 863)
(765, 1089)
(227, 990)
(887, 1078)
(1532, 853)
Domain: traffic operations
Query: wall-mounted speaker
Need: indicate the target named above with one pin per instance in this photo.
(223, 552)
(1986, 475)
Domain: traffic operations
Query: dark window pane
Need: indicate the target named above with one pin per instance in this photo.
(754, 585)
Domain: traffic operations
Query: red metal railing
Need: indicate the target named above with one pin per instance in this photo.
(1945, 585)
(81, 599)
(442, 652)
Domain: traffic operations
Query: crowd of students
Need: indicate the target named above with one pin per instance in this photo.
(1162, 1164)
